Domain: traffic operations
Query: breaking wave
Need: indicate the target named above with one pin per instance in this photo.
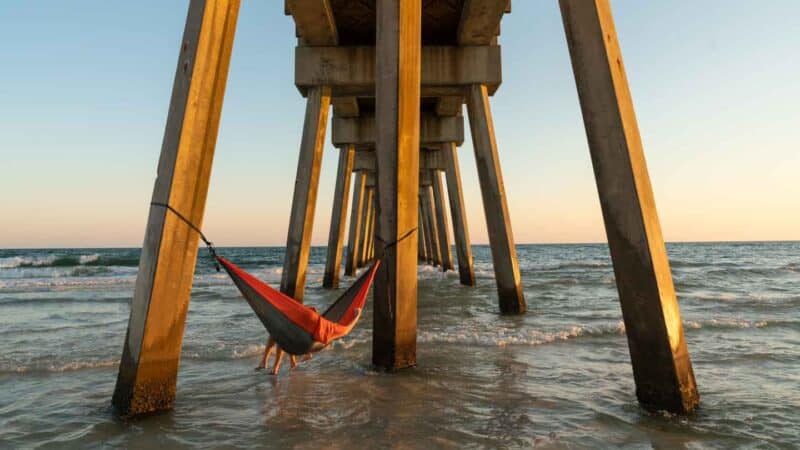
(92, 259)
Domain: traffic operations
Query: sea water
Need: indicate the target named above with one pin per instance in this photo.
(558, 376)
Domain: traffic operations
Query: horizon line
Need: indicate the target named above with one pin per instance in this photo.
(486, 244)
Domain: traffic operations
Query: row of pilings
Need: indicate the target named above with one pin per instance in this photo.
(397, 75)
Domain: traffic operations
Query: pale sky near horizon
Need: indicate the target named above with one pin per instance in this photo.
(85, 86)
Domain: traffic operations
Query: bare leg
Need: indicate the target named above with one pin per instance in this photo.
(278, 358)
(293, 360)
(267, 351)
(306, 357)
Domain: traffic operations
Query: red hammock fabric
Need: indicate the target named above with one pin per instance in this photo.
(309, 320)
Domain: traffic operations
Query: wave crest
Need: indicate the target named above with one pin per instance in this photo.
(44, 261)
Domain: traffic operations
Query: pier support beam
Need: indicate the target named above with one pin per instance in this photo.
(430, 217)
(301, 219)
(149, 365)
(441, 221)
(661, 366)
(369, 231)
(371, 247)
(426, 236)
(333, 261)
(466, 273)
(421, 241)
(498, 223)
(354, 237)
(369, 210)
(397, 92)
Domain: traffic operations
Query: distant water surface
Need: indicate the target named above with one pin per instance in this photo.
(559, 376)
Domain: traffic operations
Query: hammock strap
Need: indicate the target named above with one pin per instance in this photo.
(209, 245)
(389, 245)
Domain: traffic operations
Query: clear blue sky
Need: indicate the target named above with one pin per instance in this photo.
(85, 85)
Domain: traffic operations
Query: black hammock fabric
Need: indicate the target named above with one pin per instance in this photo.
(296, 328)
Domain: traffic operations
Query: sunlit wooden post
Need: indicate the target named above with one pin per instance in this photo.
(433, 226)
(357, 212)
(421, 241)
(149, 365)
(397, 116)
(333, 262)
(369, 210)
(466, 272)
(425, 225)
(660, 358)
(441, 220)
(304, 201)
(495, 206)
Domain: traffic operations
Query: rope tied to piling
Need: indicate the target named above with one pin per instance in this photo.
(388, 245)
(209, 245)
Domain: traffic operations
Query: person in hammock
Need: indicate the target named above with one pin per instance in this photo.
(273, 346)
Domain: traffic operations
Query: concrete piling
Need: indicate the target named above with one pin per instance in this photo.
(369, 210)
(661, 365)
(148, 368)
(304, 201)
(442, 224)
(397, 90)
(356, 213)
(341, 192)
(466, 273)
(498, 223)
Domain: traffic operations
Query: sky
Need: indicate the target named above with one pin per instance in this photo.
(85, 86)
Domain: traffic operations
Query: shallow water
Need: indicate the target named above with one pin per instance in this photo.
(559, 376)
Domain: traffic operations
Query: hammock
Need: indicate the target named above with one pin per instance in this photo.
(296, 328)
(299, 329)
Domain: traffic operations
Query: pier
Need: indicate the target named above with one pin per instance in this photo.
(395, 78)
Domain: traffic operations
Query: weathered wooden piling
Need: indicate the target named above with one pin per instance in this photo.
(149, 366)
(498, 223)
(424, 225)
(661, 366)
(304, 201)
(354, 236)
(441, 220)
(370, 232)
(341, 192)
(430, 203)
(430, 221)
(369, 210)
(397, 106)
(466, 273)
(421, 241)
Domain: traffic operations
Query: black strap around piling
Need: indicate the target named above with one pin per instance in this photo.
(389, 245)
(209, 245)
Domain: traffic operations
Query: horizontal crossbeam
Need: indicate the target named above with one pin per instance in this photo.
(360, 131)
(351, 70)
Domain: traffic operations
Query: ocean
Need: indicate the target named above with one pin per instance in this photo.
(557, 377)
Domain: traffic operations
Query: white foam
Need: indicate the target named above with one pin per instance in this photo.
(502, 338)
(724, 323)
(63, 367)
(86, 259)
(17, 261)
